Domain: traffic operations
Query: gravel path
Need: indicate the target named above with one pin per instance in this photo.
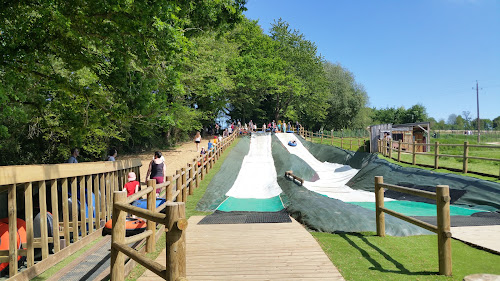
(176, 158)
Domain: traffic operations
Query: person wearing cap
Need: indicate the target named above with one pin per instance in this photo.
(132, 186)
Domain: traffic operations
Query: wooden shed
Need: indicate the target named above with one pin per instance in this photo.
(407, 133)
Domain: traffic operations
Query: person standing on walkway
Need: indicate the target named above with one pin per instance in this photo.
(112, 155)
(74, 153)
(197, 140)
(157, 170)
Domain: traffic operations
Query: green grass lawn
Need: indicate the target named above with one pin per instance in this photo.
(364, 256)
(474, 165)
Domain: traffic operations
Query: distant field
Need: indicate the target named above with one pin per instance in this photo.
(474, 165)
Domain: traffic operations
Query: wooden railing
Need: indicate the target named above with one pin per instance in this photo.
(175, 223)
(345, 143)
(176, 188)
(90, 184)
(387, 149)
(442, 198)
(290, 175)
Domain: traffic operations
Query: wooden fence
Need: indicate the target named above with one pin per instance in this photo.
(387, 149)
(176, 188)
(90, 184)
(345, 143)
(442, 198)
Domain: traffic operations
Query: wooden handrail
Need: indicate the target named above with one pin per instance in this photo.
(442, 198)
(173, 219)
(139, 194)
(412, 191)
(387, 151)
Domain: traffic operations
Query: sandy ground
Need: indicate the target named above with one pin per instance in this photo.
(175, 158)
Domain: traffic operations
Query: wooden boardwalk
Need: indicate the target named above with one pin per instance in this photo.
(252, 252)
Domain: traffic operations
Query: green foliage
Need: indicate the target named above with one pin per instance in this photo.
(416, 113)
(347, 100)
(93, 74)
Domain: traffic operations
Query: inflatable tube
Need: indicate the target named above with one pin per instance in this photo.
(292, 144)
(37, 232)
(133, 226)
(290, 131)
(4, 238)
(143, 203)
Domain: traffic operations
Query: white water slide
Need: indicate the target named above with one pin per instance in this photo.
(257, 177)
(332, 176)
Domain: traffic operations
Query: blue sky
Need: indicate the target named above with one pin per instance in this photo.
(405, 52)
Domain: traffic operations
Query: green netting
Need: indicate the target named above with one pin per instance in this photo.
(465, 191)
(224, 179)
(251, 205)
(322, 213)
(410, 208)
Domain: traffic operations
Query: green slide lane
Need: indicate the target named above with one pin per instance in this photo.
(251, 204)
(410, 208)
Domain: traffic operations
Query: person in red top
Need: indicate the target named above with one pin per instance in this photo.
(132, 186)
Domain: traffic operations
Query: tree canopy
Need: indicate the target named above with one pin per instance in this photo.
(141, 74)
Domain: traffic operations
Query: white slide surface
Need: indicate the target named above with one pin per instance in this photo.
(333, 177)
(257, 177)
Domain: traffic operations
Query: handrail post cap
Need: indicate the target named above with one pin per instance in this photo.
(182, 224)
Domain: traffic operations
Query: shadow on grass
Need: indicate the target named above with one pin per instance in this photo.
(376, 265)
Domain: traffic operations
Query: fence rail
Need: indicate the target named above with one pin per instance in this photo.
(177, 188)
(55, 191)
(442, 198)
(387, 149)
(345, 143)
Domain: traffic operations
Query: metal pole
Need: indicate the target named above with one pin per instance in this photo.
(478, 120)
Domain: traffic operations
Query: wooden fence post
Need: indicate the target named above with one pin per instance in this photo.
(379, 203)
(28, 205)
(321, 141)
(184, 185)
(399, 150)
(118, 236)
(55, 215)
(436, 155)
(12, 205)
(443, 226)
(202, 169)
(42, 191)
(178, 186)
(170, 190)
(191, 182)
(350, 144)
(414, 159)
(341, 142)
(176, 223)
(151, 225)
(331, 137)
(466, 155)
(74, 209)
(390, 149)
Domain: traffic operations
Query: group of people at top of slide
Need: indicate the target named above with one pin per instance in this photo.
(157, 169)
(272, 126)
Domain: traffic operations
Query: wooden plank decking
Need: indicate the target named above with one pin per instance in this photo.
(251, 252)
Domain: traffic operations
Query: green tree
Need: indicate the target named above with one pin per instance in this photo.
(496, 123)
(346, 99)
(95, 73)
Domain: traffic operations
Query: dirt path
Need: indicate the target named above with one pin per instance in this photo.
(176, 158)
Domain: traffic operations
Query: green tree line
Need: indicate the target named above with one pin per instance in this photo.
(142, 74)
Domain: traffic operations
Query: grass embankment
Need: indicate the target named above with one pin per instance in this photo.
(190, 211)
(364, 256)
(474, 165)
